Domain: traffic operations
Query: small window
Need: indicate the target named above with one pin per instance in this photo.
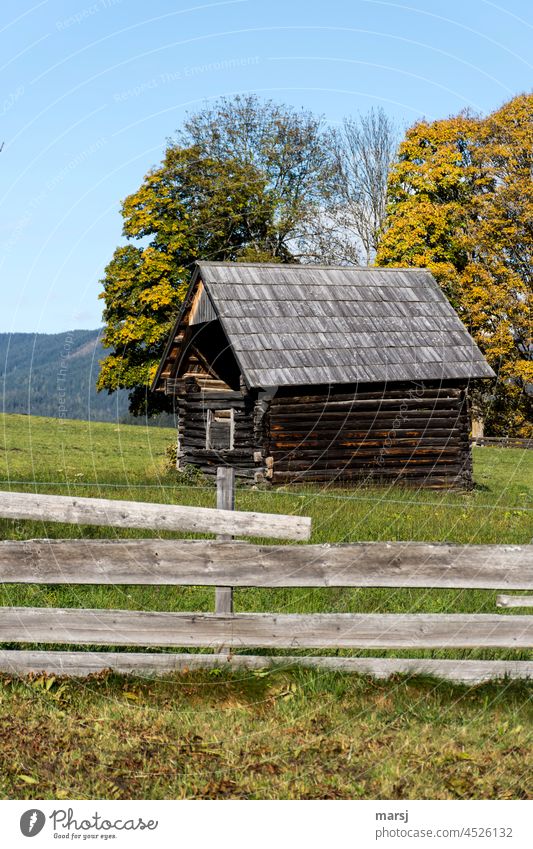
(220, 430)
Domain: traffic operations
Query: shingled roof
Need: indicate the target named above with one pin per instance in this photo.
(302, 324)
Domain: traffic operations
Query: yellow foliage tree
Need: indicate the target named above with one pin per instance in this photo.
(460, 203)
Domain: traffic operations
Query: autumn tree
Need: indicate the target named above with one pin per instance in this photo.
(239, 183)
(460, 203)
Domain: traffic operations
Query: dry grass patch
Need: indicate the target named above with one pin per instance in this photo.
(267, 735)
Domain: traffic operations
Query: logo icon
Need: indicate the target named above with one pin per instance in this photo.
(32, 822)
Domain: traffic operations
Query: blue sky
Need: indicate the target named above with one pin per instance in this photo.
(91, 91)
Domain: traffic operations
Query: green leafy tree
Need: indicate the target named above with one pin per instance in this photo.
(188, 208)
(240, 184)
(289, 148)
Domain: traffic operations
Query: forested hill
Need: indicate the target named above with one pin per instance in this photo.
(55, 375)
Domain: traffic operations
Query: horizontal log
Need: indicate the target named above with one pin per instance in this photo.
(199, 405)
(368, 446)
(432, 478)
(354, 459)
(397, 465)
(514, 601)
(307, 427)
(198, 420)
(403, 432)
(240, 451)
(241, 472)
(377, 414)
(81, 664)
(371, 470)
(138, 514)
(344, 448)
(432, 408)
(373, 433)
(212, 401)
(264, 630)
(201, 456)
(199, 433)
(361, 456)
(403, 467)
(384, 393)
(240, 564)
(370, 422)
(354, 408)
(202, 460)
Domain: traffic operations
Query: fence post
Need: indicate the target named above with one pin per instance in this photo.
(225, 501)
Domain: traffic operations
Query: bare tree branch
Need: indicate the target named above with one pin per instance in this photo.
(363, 152)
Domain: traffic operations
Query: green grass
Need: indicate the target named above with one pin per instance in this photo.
(121, 461)
(296, 733)
(72, 452)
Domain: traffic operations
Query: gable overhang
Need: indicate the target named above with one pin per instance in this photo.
(173, 340)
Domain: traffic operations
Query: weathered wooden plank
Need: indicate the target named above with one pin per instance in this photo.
(246, 473)
(383, 393)
(446, 419)
(210, 563)
(385, 406)
(411, 476)
(325, 435)
(264, 630)
(138, 514)
(213, 400)
(366, 437)
(350, 452)
(225, 501)
(503, 442)
(514, 601)
(241, 452)
(81, 664)
(400, 472)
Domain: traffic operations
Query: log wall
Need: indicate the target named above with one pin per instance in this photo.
(192, 431)
(408, 433)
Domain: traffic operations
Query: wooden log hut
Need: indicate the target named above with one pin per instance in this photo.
(295, 373)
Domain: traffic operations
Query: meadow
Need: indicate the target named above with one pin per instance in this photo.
(288, 733)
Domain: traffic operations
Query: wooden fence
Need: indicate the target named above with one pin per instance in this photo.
(226, 563)
(502, 442)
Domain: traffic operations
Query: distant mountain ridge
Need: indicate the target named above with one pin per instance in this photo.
(54, 374)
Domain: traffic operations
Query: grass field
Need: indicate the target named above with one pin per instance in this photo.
(288, 733)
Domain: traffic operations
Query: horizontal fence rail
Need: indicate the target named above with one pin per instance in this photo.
(228, 563)
(147, 515)
(514, 601)
(80, 663)
(502, 442)
(265, 630)
(241, 564)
